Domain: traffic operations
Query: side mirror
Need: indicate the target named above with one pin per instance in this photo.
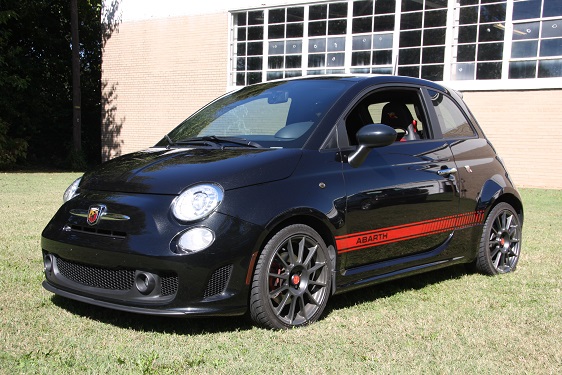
(369, 137)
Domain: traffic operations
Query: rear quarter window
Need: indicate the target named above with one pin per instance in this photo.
(452, 121)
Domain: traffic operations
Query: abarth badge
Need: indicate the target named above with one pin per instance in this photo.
(95, 213)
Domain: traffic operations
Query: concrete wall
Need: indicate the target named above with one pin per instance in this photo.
(157, 72)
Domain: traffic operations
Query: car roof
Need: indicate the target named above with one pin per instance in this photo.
(370, 79)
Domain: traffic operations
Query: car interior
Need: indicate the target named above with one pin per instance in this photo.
(399, 109)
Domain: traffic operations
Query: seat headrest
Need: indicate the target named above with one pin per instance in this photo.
(396, 115)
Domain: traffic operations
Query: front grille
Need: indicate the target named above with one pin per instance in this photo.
(99, 232)
(218, 281)
(110, 279)
(97, 277)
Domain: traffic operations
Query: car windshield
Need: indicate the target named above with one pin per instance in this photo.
(274, 114)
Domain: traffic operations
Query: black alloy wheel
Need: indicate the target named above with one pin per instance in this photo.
(292, 279)
(500, 245)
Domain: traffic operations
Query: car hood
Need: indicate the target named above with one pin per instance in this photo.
(169, 171)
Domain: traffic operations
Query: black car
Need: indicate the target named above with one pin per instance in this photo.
(274, 197)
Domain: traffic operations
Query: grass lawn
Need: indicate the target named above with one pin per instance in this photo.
(449, 322)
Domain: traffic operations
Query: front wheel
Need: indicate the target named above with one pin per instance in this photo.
(291, 283)
(500, 244)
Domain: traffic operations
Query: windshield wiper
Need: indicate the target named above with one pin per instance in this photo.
(196, 141)
(215, 141)
(169, 140)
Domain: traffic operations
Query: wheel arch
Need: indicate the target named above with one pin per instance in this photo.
(307, 216)
(310, 217)
(497, 190)
(513, 201)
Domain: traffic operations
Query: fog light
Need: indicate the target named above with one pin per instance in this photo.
(145, 282)
(48, 263)
(196, 239)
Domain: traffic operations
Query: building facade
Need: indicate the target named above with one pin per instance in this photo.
(166, 59)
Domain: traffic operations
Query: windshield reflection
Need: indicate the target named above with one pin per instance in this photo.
(273, 114)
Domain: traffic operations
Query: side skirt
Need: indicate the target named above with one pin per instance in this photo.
(396, 268)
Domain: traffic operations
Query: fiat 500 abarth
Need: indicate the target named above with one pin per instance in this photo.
(272, 198)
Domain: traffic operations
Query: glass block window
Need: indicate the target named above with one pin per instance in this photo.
(422, 39)
(249, 47)
(372, 30)
(327, 30)
(480, 40)
(536, 41)
(284, 42)
(440, 40)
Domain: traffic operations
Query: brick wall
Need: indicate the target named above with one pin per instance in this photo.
(524, 128)
(158, 72)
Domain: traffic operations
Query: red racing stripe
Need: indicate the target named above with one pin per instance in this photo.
(361, 240)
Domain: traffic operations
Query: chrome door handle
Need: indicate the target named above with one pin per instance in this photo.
(446, 171)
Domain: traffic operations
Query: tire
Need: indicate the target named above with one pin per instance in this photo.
(292, 279)
(500, 245)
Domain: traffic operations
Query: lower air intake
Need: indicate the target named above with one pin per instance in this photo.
(218, 282)
(96, 277)
(110, 279)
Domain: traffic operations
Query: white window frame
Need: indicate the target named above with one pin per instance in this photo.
(452, 23)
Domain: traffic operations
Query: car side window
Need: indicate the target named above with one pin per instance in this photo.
(397, 108)
(452, 121)
(377, 113)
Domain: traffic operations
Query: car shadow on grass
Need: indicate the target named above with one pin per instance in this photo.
(205, 325)
(390, 288)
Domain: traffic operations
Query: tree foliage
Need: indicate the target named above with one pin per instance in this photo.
(36, 81)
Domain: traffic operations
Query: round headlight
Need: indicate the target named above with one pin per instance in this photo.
(72, 190)
(197, 202)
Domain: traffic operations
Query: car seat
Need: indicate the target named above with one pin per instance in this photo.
(398, 116)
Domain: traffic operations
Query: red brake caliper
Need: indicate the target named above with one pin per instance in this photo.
(295, 279)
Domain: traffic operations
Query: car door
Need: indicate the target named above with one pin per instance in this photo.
(402, 200)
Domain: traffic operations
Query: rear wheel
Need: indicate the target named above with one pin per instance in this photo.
(291, 283)
(500, 244)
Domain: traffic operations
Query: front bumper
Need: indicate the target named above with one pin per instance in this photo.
(134, 268)
(218, 310)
